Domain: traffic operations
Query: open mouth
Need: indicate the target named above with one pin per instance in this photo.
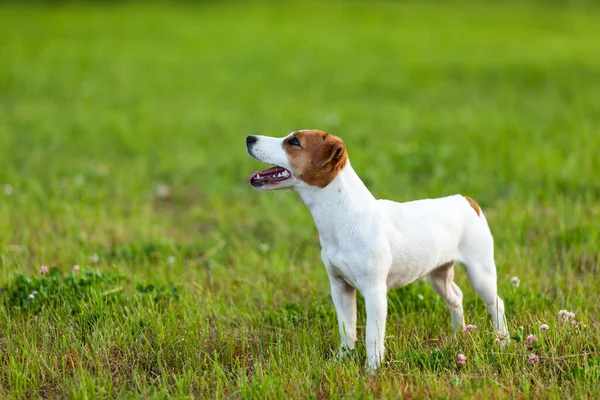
(269, 176)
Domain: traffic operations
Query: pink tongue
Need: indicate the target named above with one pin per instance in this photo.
(252, 176)
(265, 172)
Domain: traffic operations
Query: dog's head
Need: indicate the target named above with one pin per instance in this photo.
(307, 157)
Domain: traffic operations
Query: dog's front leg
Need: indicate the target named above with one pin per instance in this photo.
(376, 305)
(344, 300)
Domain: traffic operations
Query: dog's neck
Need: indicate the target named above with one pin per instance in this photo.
(345, 200)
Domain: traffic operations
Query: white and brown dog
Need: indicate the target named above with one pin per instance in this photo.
(375, 245)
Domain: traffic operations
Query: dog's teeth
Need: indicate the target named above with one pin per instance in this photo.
(257, 176)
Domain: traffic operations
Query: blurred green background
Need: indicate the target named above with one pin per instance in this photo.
(122, 134)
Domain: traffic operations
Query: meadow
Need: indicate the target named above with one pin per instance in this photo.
(122, 152)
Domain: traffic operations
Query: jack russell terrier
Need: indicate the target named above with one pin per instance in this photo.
(375, 245)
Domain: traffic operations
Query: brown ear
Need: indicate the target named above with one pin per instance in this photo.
(332, 150)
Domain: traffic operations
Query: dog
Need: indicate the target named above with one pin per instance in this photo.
(376, 245)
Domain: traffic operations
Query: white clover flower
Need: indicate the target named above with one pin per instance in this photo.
(500, 336)
(531, 338)
(162, 191)
(533, 359)
(566, 315)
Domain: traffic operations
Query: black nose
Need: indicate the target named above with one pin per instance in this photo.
(251, 139)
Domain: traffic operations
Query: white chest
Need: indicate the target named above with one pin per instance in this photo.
(358, 258)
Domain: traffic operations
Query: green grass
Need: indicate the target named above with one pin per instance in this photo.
(101, 104)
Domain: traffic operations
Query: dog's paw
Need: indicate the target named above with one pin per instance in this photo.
(339, 356)
(373, 364)
(370, 369)
(343, 352)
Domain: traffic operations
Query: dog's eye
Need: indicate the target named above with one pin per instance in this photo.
(293, 142)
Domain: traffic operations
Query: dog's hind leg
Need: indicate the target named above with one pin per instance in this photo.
(442, 281)
(483, 278)
(478, 259)
(477, 255)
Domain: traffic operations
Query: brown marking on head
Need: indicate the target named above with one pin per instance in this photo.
(474, 204)
(318, 158)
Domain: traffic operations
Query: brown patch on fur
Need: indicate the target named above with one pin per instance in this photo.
(318, 159)
(474, 204)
